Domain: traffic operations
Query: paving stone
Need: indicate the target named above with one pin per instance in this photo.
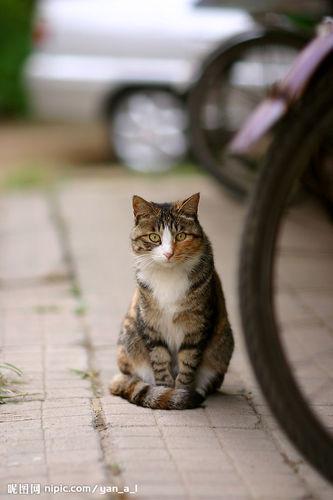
(126, 409)
(175, 489)
(147, 467)
(192, 443)
(148, 442)
(60, 422)
(131, 420)
(24, 417)
(142, 454)
(136, 431)
(245, 439)
(87, 444)
(68, 411)
(15, 459)
(191, 463)
(231, 421)
(77, 456)
(194, 418)
(229, 449)
(65, 403)
(79, 432)
(23, 254)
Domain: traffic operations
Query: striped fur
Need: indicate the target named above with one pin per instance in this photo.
(176, 342)
(140, 393)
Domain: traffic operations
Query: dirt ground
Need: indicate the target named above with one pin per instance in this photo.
(79, 144)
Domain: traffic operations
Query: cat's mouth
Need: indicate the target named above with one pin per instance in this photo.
(167, 263)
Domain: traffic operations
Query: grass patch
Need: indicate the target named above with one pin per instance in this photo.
(8, 383)
(27, 177)
(80, 310)
(187, 168)
(75, 291)
(47, 309)
(115, 469)
(85, 375)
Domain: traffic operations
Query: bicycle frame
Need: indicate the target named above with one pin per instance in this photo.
(283, 95)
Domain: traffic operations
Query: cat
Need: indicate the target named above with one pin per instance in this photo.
(176, 342)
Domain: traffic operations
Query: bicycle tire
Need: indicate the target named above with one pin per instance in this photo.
(291, 148)
(215, 66)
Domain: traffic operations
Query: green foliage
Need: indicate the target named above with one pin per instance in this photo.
(80, 310)
(115, 469)
(15, 30)
(84, 375)
(47, 309)
(75, 290)
(8, 389)
(27, 177)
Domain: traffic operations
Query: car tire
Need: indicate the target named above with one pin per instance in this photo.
(147, 129)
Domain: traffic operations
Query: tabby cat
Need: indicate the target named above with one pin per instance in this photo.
(176, 342)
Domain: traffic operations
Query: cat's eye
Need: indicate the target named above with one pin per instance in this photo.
(154, 237)
(180, 236)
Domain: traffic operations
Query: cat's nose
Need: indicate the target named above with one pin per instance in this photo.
(168, 255)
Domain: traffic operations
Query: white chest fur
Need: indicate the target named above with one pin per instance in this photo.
(169, 288)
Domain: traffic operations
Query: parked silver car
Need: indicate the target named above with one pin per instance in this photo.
(131, 61)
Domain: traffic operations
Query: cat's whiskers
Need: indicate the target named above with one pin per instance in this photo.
(143, 262)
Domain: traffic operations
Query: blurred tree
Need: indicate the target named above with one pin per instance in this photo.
(15, 41)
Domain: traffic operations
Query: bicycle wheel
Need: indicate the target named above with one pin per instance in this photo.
(233, 81)
(287, 256)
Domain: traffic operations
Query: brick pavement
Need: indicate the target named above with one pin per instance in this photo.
(65, 281)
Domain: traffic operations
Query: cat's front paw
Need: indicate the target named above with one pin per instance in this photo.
(166, 381)
(182, 382)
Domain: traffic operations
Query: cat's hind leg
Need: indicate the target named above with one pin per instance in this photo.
(137, 366)
(124, 362)
(208, 380)
(216, 358)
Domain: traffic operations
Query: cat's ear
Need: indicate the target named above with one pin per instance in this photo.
(190, 205)
(141, 206)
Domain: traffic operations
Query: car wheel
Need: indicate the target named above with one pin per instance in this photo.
(148, 130)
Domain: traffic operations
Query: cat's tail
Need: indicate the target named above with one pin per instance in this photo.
(151, 396)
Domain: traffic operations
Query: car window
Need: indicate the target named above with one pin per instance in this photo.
(238, 4)
(218, 3)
